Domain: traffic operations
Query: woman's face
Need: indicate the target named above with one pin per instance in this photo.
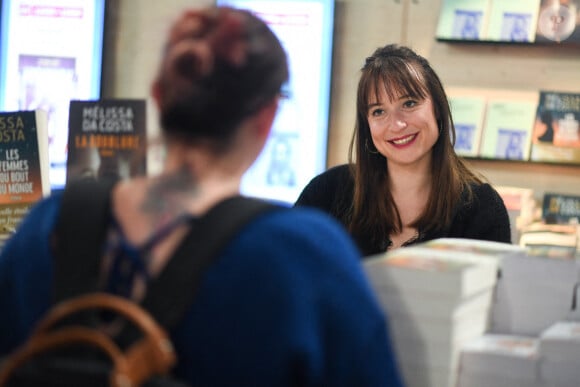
(403, 130)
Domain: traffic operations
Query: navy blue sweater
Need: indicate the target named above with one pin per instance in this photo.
(286, 304)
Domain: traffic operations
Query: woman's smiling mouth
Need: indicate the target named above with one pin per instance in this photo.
(403, 140)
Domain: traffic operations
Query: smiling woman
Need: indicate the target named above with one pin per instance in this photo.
(405, 183)
(404, 130)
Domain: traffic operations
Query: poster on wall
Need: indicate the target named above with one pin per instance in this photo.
(51, 52)
(296, 149)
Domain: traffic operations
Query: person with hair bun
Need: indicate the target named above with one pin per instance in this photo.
(404, 183)
(286, 302)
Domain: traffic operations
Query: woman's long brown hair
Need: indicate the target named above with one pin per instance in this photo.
(374, 215)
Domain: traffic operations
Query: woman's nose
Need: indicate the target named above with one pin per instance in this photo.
(397, 122)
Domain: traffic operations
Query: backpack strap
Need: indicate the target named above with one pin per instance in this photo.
(85, 214)
(79, 235)
(170, 295)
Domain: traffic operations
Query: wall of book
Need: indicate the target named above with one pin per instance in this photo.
(496, 124)
(518, 21)
(516, 104)
(522, 95)
(538, 125)
(498, 76)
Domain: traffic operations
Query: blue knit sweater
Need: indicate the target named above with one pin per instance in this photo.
(286, 304)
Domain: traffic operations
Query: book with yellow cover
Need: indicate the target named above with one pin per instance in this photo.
(513, 21)
(507, 132)
(463, 19)
(468, 113)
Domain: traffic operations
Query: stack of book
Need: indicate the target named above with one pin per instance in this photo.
(559, 349)
(532, 293)
(553, 240)
(437, 297)
(521, 206)
(499, 361)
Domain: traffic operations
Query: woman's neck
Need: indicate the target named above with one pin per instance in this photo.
(201, 180)
(409, 180)
(410, 188)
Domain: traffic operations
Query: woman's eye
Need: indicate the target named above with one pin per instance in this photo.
(410, 103)
(377, 112)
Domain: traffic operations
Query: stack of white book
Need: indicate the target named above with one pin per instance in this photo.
(559, 349)
(437, 297)
(499, 361)
(532, 293)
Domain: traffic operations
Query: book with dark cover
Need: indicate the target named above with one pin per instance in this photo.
(556, 134)
(107, 139)
(560, 208)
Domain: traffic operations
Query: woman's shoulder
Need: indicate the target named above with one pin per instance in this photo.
(485, 202)
(328, 187)
(485, 193)
(337, 173)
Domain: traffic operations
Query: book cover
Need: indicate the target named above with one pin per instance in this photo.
(560, 208)
(468, 113)
(556, 133)
(463, 19)
(558, 22)
(23, 165)
(507, 132)
(513, 21)
(107, 139)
